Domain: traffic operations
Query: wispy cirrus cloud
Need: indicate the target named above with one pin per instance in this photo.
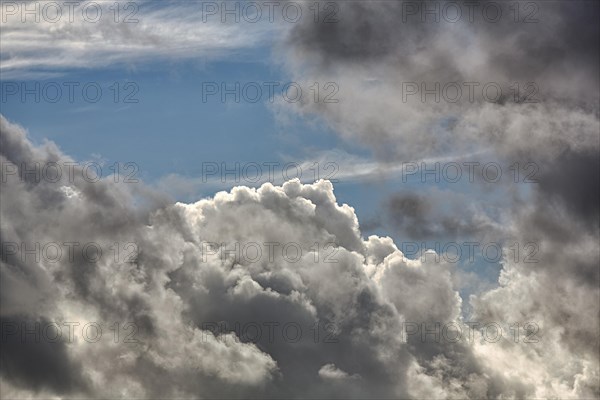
(44, 43)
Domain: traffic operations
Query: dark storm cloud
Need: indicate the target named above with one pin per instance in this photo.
(432, 214)
(33, 362)
(559, 33)
(354, 36)
(375, 48)
(573, 180)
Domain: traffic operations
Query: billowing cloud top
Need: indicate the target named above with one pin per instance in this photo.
(185, 297)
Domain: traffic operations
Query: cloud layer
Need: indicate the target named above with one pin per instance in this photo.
(185, 300)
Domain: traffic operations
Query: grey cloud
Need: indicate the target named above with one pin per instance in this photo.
(443, 215)
(573, 179)
(34, 364)
(375, 48)
(170, 290)
(371, 52)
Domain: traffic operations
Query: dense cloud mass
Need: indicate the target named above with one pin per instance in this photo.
(185, 300)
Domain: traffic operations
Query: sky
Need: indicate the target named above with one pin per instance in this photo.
(370, 175)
